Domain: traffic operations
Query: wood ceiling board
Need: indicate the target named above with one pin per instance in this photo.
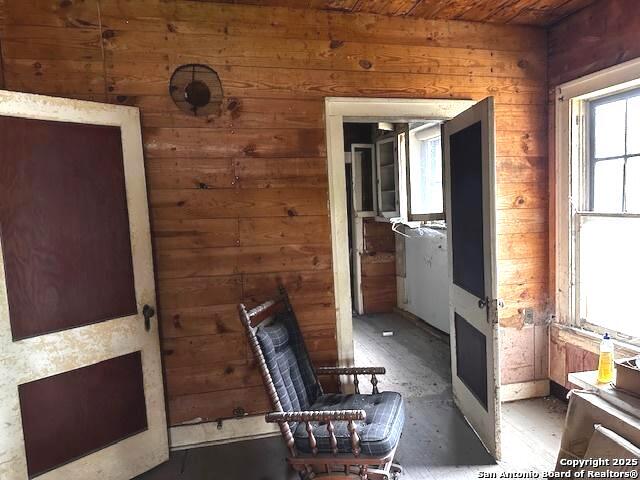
(525, 12)
(500, 11)
(428, 8)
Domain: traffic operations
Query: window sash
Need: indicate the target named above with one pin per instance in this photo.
(581, 200)
(591, 147)
(617, 222)
(420, 137)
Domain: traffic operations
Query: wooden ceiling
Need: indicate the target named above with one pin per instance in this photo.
(524, 12)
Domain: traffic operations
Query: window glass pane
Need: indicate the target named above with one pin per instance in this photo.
(607, 185)
(633, 125)
(609, 262)
(609, 129)
(632, 189)
(365, 203)
(387, 177)
(426, 177)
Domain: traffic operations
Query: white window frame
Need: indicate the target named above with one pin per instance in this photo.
(571, 149)
(357, 180)
(386, 214)
(430, 133)
(590, 158)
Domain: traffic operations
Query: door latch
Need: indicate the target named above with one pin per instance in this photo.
(147, 313)
(484, 303)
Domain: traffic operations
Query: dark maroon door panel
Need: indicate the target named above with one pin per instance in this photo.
(64, 225)
(72, 414)
(471, 358)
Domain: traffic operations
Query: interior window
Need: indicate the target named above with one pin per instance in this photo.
(607, 230)
(364, 187)
(425, 173)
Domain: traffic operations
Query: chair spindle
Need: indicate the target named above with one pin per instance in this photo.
(356, 383)
(374, 382)
(313, 444)
(355, 440)
(333, 441)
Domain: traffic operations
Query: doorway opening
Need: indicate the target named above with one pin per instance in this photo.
(392, 276)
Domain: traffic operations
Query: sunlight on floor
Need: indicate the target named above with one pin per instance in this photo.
(437, 442)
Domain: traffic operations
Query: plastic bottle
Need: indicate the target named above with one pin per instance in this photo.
(605, 363)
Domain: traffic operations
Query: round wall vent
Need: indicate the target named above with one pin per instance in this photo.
(196, 89)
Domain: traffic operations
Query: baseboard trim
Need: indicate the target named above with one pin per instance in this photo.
(233, 430)
(524, 390)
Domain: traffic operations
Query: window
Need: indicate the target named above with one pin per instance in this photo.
(614, 146)
(607, 257)
(426, 199)
(364, 179)
(387, 166)
(598, 203)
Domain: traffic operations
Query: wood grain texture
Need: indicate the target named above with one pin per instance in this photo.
(571, 351)
(252, 182)
(65, 225)
(525, 12)
(600, 36)
(90, 407)
(378, 265)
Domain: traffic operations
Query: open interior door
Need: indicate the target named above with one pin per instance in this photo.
(469, 161)
(363, 192)
(81, 392)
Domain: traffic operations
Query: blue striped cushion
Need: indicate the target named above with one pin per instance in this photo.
(379, 432)
(288, 363)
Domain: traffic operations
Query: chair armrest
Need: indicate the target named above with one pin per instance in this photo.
(326, 417)
(316, 416)
(355, 371)
(351, 371)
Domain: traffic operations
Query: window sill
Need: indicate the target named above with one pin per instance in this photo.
(591, 340)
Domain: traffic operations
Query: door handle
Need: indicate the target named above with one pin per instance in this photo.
(148, 312)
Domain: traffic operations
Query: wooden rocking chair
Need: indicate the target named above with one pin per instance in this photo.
(329, 436)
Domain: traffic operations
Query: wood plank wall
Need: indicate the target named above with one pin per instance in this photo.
(239, 202)
(378, 267)
(600, 36)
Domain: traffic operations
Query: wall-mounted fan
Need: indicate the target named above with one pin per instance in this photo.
(196, 89)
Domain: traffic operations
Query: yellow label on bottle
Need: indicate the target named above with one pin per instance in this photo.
(605, 367)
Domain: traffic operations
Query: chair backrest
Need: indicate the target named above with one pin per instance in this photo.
(283, 359)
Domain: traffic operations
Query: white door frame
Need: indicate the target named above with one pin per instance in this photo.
(337, 111)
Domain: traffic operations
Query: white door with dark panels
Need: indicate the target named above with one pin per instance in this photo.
(81, 392)
(469, 161)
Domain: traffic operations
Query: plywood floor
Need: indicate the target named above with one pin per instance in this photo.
(436, 443)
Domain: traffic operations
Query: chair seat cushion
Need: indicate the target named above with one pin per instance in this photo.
(379, 433)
